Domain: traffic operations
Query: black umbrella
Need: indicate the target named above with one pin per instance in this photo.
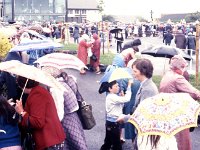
(115, 30)
(165, 51)
(130, 44)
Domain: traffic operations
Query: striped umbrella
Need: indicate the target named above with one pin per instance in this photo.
(36, 45)
(61, 61)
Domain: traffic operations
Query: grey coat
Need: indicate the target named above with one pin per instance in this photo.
(146, 90)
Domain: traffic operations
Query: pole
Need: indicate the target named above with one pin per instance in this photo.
(103, 36)
(197, 54)
(66, 10)
(151, 15)
(13, 10)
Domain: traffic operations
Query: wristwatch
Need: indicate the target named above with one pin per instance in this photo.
(22, 113)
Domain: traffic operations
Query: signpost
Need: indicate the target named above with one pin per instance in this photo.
(197, 53)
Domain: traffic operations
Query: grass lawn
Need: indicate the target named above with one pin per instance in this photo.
(107, 58)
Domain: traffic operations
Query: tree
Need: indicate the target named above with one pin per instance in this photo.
(108, 18)
(192, 17)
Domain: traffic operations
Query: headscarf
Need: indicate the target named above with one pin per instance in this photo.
(95, 36)
(55, 72)
(178, 62)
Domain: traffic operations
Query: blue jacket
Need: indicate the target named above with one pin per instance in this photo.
(11, 136)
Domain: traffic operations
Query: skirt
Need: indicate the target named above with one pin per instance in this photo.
(75, 137)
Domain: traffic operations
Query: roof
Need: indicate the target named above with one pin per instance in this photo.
(82, 4)
(173, 17)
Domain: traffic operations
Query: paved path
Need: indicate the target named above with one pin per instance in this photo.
(89, 84)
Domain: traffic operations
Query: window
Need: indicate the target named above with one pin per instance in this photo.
(70, 11)
(76, 11)
(83, 11)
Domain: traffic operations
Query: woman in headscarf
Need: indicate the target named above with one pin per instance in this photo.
(83, 50)
(174, 82)
(96, 51)
(67, 106)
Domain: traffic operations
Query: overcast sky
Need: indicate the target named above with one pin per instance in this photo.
(143, 7)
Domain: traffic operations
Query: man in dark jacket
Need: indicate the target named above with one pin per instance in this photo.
(120, 39)
(190, 42)
(180, 40)
(168, 38)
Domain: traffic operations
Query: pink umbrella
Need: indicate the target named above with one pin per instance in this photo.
(61, 61)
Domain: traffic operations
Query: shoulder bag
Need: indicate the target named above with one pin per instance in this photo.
(85, 110)
(28, 143)
(85, 114)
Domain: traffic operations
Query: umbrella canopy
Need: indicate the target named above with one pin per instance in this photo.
(36, 45)
(46, 30)
(132, 43)
(165, 51)
(165, 114)
(36, 27)
(116, 30)
(8, 31)
(114, 73)
(61, 61)
(30, 72)
(120, 73)
(36, 34)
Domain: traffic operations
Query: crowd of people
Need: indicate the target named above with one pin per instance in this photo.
(52, 116)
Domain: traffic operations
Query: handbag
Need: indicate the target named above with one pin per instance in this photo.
(28, 143)
(85, 114)
(85, 110)
(93, 57)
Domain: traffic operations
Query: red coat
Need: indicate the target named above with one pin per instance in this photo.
(96, 51)
(82, 51)
(44, 121)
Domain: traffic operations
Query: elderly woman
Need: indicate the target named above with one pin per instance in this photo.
(67, 106)
(40, 112)
(96, 51)
(83, 50)
(173, 82)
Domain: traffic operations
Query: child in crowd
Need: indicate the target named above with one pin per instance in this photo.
(114, 105)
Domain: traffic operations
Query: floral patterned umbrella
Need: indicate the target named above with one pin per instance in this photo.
(165, 114)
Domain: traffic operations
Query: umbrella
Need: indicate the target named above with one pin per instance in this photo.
(36, 45)
(132, 43)
(114, 73)
(9, 31)
(61, 61)
(30, 72)
(46, 30)
(36, 27)
(165, 114)
(116, 30)
(120, 73)
(165, 51)
(36, 34)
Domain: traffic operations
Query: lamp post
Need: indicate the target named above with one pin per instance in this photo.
(66, 10)
(151, 12)
(197, 52)
(13, 10)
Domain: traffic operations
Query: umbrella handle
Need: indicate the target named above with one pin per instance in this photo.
(23, 89)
